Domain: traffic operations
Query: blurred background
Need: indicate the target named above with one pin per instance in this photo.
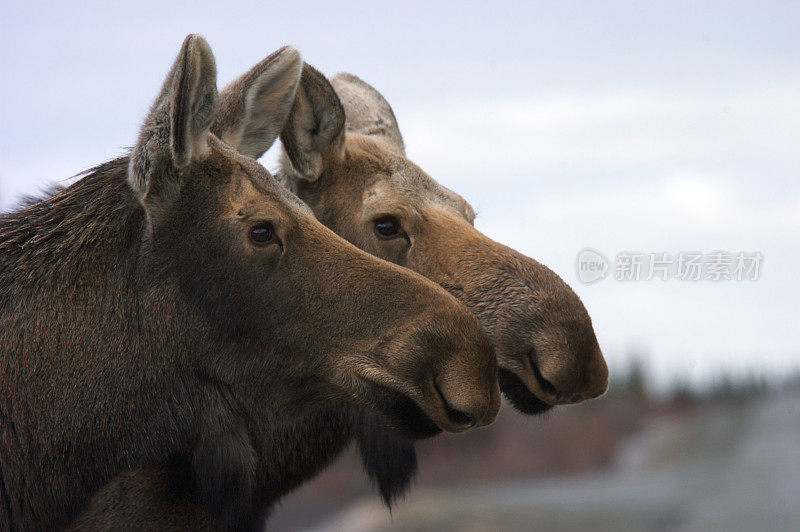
(629, 128)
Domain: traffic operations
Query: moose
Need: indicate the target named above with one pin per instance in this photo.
(179, 306)
(344, 156)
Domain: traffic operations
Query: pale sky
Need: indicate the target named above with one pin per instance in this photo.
(619, 126)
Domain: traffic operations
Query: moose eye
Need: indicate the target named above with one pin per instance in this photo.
(388, 228)
(263, 234)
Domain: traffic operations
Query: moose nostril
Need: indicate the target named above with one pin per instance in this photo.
(546, 386)
(460, 418)
(456, 416)
(577, 398)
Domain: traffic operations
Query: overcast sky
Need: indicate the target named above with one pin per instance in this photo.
(619, 126)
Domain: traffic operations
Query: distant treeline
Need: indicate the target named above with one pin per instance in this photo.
(633, 382)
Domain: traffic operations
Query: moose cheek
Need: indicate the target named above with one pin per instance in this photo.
(266, 260)
(395, 250)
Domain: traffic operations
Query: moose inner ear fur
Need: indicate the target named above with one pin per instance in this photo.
(175, 133)
(253, 108)
(314, 133)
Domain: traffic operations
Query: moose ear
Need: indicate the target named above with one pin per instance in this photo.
(314, 133)
(252, 110)
(368, 112)
(175, 133)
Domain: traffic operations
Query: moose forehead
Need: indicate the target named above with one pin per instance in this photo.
(401, 181)
(252, 185)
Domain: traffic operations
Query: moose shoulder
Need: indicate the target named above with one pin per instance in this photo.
(180, 303)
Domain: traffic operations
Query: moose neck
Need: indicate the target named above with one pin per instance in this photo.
(90, 382)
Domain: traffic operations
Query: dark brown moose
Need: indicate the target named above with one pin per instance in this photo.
(178, 306)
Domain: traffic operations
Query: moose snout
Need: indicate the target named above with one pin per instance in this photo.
(570, 378)
(466, 405)
(458, 385)
(443, 361)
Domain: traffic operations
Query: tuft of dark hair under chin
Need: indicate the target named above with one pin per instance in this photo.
(389, 460)
(403, 416)
(519, 395)
(385, 438)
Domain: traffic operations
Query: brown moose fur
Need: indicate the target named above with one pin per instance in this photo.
(142, 323)
(353, 176)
